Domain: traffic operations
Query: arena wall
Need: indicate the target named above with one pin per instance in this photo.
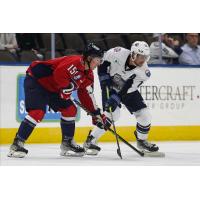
(172, 94)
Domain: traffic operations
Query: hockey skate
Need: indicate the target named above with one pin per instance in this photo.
(17, 149)
(149, 149)
(90, 146)
(70, 148)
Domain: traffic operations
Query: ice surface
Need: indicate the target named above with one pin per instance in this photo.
(177, 153)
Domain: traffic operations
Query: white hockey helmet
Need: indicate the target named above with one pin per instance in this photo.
(141, 48)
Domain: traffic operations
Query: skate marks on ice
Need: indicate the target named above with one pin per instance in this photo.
(176, 153)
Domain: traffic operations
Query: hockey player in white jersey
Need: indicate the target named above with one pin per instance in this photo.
(122, 72)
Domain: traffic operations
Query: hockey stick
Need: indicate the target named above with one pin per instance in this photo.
(113, 123)
(109, 129)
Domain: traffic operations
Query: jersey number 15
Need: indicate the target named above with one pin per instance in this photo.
(72, 70)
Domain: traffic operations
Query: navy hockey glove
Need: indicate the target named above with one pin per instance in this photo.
(103, 74)
(112, 103)
(105, 80)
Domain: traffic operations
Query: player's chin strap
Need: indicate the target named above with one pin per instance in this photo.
(88, 63)
(85, 61)
(133, 57)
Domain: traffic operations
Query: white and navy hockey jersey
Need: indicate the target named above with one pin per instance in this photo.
(120, 73)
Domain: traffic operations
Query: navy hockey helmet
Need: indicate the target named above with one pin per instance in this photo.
(92, 50)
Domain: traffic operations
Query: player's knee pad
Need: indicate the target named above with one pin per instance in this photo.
(35, 116)
(143, 117)
(69, 113)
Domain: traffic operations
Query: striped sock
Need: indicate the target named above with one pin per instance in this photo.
(142, 131)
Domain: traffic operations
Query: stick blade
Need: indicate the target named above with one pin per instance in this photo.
(154, 154)
(119, 153)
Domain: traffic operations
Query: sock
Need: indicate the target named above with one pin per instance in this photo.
(25, 129)
(142, 131)
(68, 128)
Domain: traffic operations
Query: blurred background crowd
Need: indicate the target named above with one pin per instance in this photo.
(165, 48)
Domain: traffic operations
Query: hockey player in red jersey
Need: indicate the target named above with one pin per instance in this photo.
(51, 83)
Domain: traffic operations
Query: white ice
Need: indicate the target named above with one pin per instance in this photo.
(177, 153)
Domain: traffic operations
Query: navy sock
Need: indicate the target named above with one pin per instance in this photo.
(68, 128)
(25, 130)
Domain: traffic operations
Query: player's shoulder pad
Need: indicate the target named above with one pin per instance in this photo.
(146, 69)
(75, 60)
(117, 52)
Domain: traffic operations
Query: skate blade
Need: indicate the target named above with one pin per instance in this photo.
(91, 152)
(14, 154)
(154, 154)
(71, 154)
